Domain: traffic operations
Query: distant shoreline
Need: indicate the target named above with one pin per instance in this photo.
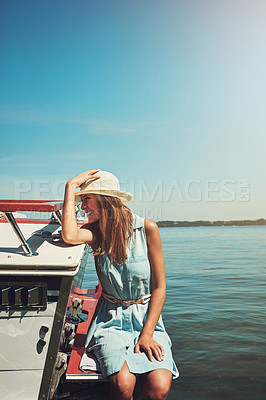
(181, 224)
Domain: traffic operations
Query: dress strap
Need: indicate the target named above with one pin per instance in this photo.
(138, 222)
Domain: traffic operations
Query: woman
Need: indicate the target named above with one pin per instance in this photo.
(127, 335)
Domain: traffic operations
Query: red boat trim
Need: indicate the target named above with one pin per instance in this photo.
(90, 299)
(30, 205)
(29, 201)
(36, 221)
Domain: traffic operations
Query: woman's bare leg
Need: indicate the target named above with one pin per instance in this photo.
(156, 385)
(122, 384)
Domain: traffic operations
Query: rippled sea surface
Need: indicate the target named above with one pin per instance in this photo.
(215, 311)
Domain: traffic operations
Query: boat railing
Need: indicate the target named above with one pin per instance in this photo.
(8, 207)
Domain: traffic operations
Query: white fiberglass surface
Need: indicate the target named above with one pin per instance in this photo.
(52, 253)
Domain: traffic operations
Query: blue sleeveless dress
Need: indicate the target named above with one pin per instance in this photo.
(116, 328)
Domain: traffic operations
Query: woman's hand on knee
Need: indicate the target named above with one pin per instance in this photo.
(150, 347)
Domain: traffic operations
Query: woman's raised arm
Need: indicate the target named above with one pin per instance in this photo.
(70, 232)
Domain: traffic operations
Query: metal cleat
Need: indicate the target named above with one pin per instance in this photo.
(75, 307)
(60, 369)
(68, 336)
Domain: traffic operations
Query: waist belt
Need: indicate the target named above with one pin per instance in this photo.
(112, 299)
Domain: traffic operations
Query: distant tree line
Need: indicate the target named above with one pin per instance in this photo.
(244, 222)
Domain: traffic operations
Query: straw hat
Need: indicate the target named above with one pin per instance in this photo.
(107, 185)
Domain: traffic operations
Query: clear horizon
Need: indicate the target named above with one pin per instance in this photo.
(168, 95)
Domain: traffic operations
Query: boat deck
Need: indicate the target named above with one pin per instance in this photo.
(40, 298)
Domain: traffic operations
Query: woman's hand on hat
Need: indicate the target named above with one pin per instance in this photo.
(150, 347)
(83, 177)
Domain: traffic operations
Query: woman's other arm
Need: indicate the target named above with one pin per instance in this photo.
(156, 260)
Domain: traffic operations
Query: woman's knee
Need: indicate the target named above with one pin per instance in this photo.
(159, 392)
(157, 386)
(122, 385)
(122, 389)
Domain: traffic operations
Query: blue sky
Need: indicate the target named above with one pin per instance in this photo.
(168, 95)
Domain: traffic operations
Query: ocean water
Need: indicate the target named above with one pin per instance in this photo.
(215, 311)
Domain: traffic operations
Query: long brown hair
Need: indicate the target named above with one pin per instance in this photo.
(113, 230)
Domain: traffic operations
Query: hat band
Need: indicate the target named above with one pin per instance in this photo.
(123, 196)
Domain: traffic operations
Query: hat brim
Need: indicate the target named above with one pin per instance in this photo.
(125, 197)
